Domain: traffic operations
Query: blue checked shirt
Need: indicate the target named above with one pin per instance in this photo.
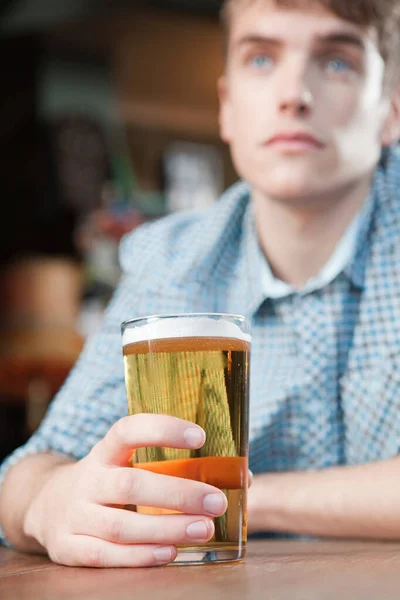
(325, 376)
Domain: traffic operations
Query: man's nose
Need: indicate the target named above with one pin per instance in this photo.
(296, 98)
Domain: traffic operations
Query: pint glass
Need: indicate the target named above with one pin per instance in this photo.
(196, 367)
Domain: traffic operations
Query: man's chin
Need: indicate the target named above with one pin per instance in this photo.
(291, 180)
(292, 192)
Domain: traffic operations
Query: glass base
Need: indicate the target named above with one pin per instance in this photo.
(208, 554)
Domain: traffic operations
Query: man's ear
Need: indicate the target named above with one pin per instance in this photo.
(225, 112)
(391, 128)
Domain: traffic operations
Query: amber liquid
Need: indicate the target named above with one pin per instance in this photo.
(203, 380)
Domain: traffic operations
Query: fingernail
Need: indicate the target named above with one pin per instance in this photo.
(163, 554)
(197, 530)
(194, 437)
(215, 504)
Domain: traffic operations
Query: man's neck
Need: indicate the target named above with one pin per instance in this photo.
(299, 240)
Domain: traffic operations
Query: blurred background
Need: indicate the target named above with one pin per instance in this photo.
(109, 118)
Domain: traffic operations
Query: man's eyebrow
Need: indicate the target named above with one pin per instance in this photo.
(259, 40)
(346, 39)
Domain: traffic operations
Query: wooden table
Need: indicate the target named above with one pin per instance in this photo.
(272, 571)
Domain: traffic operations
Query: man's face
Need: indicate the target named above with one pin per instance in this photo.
(302, 101)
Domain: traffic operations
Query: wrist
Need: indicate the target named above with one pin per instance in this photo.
(36, 517)
(272, 500)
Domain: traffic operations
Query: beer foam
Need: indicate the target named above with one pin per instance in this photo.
(195, 327)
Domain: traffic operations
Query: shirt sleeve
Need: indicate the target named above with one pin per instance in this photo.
(93, 396)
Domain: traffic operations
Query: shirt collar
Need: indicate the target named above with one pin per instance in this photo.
(355, 268)
(348, 257)
(244, 293)
(252, 265)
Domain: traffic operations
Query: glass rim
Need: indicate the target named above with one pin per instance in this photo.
(137, 320)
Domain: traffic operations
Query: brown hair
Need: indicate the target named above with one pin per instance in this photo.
(384, 15)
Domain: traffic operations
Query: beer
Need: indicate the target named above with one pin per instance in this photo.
(204, 379)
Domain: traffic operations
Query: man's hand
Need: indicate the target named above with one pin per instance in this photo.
(78, 516)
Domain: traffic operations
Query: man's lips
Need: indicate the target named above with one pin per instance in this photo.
(296, 141)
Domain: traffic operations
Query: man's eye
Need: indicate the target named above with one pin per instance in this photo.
(261, 61)
(338, 65)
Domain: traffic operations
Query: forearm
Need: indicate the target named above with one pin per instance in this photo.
(21, 485)
(345, 502)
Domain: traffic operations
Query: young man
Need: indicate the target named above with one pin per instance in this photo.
(308, 248)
